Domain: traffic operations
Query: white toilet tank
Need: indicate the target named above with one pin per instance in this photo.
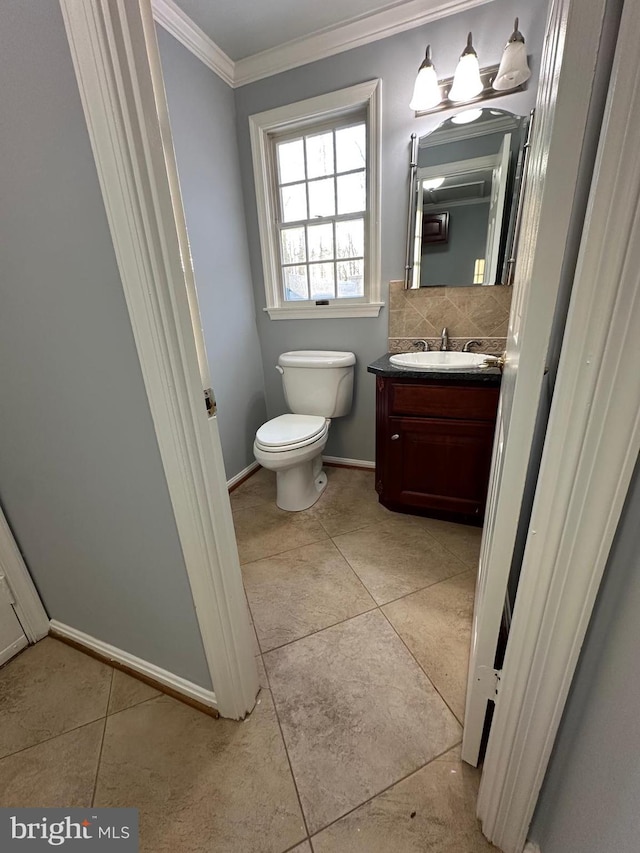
(318, 382)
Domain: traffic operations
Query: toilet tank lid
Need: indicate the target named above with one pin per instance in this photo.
(316, 358)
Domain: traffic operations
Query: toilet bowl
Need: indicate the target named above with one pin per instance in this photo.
(318, 385)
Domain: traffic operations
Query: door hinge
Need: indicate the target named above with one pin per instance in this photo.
(210, 402)
(5, 590)
(488, 680)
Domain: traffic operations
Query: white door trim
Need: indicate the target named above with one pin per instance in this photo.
(553, 172)
(113, 47)
(29, 609)
(592, 446)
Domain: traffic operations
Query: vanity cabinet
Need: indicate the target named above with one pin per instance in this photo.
(433, 446)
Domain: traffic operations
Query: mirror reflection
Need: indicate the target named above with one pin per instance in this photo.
(465, 189)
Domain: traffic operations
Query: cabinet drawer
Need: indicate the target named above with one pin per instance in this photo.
(440, 401)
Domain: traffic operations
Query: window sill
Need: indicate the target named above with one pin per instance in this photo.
(324, 312)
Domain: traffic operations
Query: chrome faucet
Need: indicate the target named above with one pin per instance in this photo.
(469, 344)
(425, 345)
(444, 340)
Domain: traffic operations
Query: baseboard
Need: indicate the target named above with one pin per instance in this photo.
(157, 677)
(241, 476)
(343, 462)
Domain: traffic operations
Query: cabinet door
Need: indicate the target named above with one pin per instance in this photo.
(435, 464)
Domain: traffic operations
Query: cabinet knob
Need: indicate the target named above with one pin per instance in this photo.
(395, 437)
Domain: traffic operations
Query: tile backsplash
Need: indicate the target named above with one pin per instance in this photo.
(481, 313)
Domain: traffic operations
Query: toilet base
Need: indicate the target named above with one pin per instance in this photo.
(299, 487)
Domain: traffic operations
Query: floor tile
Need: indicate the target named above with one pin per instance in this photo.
(433, 811)
(396, 557)
(435, 623)
(301, 591)
(201, 784)
(463, 540)
(59, 772)
(349, 502)
(49, 689)
(127, 691)
(265, 530)
(357, 714)
(302, 848)
(262, 673)
(260, 488)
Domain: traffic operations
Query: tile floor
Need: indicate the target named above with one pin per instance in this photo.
(362, 619)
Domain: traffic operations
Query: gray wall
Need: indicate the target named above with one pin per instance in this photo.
(81, 479)
(452, 263)
(396, 61)
(589, 802)
(202, 114)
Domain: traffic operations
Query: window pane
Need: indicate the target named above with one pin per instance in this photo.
(351, 148)
(321, 198)
(350, 238)
(290, 161)
(294, 203)
(320, 242)
(320, 155)
(295, 283)
(350, 278)
(321, 281)
(352, 196)
(293, 250)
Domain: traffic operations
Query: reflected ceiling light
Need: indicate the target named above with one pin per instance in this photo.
(432, 183)
(466, 81)
(514, 68)
(426, 91)
(466, 117)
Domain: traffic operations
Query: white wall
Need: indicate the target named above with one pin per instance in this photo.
(589, 802)
(202, 115)
(81, 479)
(396, 61)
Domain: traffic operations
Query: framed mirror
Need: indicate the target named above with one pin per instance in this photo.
(466, 183)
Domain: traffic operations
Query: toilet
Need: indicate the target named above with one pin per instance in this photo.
(318, 386)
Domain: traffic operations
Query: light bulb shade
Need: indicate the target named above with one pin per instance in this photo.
(514, 68)
(426, 92)
(466, 81)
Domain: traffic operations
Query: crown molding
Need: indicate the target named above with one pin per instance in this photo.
(175, 21)
(319, 45)
(346, 36)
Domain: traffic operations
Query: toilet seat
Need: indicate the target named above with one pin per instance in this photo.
(290, 432)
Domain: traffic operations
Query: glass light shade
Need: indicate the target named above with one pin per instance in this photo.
(426, 92)
(514, 68)
(466, 81)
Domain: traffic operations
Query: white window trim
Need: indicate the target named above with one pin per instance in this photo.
(297, 115)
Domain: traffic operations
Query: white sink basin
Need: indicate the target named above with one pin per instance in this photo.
(439, 360)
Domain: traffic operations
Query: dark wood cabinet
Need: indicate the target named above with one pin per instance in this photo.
(433, 446)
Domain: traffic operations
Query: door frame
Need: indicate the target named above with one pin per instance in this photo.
(28, 606)
(112, 48)
(115, 56)
(559, 136)
(591, 449)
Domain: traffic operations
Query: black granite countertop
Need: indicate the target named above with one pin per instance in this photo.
(473, 376)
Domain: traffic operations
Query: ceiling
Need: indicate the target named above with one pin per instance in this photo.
(242, 28)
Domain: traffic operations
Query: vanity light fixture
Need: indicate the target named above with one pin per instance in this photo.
(466, 81)
(426, 91)
(471, 83)
(432, 183)
(466, 116)
(514, 68)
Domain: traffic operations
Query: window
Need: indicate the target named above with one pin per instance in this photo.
(316, 168)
